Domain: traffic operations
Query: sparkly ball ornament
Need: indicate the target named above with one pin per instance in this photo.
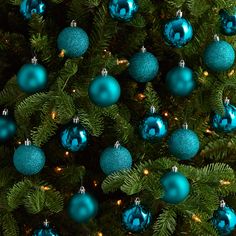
(153, 127)
(115, 158)
(176, 187)
(123, 10)
(72, 41)
(178, 31)
(184, 143)
(29, 159)
(82, 206)
(74, 137)
(143, 66)
(224, 219)
(136, 218)
(228, 22)
(104, 90)
(46, 230)
(30, 7)
(219, 55)
(32, 78)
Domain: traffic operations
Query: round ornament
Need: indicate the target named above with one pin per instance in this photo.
(219, 55)
(153, 127)
(74, 137)
(72, 41)
(178, 31)
(136, 218)
(29, 159)
(30, 7)
(45, 230)
(104, 90)
(143, 66)
(7, 126)
(176, 187)
(123, 10)
(228, 22)
(180, 81)
(115, 159)
(82, 206)
(224, 219)
(184, 143)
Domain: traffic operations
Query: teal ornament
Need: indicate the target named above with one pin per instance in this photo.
(176, 187)
(180, 81)
(32, 78)
(177, 32)
(224, 219)
(82, 207)
(219, 55)
(123, 10)
(104, 90)
(153, 127)
(143, 66)
(114, 159)
(228, 22)
(136, 218)
(30, 7)
(45, 230)
(29, 159)
(74, 137)
(72, 41)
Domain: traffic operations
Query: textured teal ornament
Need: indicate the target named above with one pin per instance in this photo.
(73, 41)
(219, 55)
(104, 90)
(143, 66)
(30, 7)
(45, 230)
(176, 187)
(29, 159)
(115, 158)
(82, 207)
(32, 78)
(228, 22)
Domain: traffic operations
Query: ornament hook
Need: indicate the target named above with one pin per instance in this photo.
(143, 49)
(185, 125)
(227, 101)
(175, 169)
(137, 201)
(216, 37)
(222, 203)
(182, 63)
(73, 23)
(27, 142)
(76, 120)
(5, 112)
(152, 109)
(82, 190)
(117, 144)
(104, 72)
(179, 13)
(34, 60)
(46, 223)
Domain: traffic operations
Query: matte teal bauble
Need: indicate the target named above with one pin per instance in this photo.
(73, 41)
(143, 66)
(104, 90)
(30, 7)
(219, 55)
(32, 78)
(228, 22)
(29, 159)
(45, 230)
(176, 187)
(115, 158)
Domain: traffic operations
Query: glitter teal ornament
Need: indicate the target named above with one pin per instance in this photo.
(82, 206)
(136, 218)
(143, 66)
(45, 230)
(176, 187)
(219, 55)
(32, 78)
(177, 32)
(72, 41)
(180, 81)
(30, 7)
(74, 137)
(224, 219)
(228, 22)
(123, 10)
(104, 90)
(29, 159)
(115, 158)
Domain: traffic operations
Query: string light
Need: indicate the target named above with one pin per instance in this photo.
(53, 115)
(100, 234)
(208, 131)
(19, 142)
(205, 73)
(122, 62)
(176, 118)
(58, 169)
(140, 96)
(45, 188)
(231, 73)
(225, 182)
(95, 183)
(119, 202)
(67, 153)
(196, 218)
(166, 114)
(146, 171)
(73, 90)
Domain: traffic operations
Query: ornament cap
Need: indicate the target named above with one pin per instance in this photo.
(179, 13)
(73, 23)
(46, 223)
(137, 201)
(152, 109)
(222, 203)
(34, 60)
(27, 142)
(182, 63)
(216, 37)
(76, 120)
(117, 144)
(175, 169)
(104, 72)
(143, 49)
(5, 112)
(82, 190)
(226, 101)
(185, 125)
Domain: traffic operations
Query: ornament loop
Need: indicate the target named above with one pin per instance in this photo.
(137, 201)
(152, 109)
(104, 72)
(216, 37)
(5, 112)
(222, 203)
(27, 142)
(143, 49)
(73, 23)
(227, 101)
(179, 13)
(117, 144)
(175, 169)
(46, 223)
(82, 190)
(182, 63)
(34, 60)
(185, 125)
(76, 120)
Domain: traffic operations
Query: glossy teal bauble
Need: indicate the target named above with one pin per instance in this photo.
(104, 90)
(30, 7)
(73, 41)
(176, 187)
(115, 158)
(32, 78)
(29, 159)
(143, 66)
(45, 230)
(219, 55)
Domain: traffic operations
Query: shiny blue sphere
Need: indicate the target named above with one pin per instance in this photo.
(29, 160)
(177, 32)
(104, 91)
(123, 10)
(228, 22)
(45, 231)
(73, 41)
(82, 207)
(219, 56)
(143, 67)
(30, 7)
(7, 128)
(176, 187)
(32, 78)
